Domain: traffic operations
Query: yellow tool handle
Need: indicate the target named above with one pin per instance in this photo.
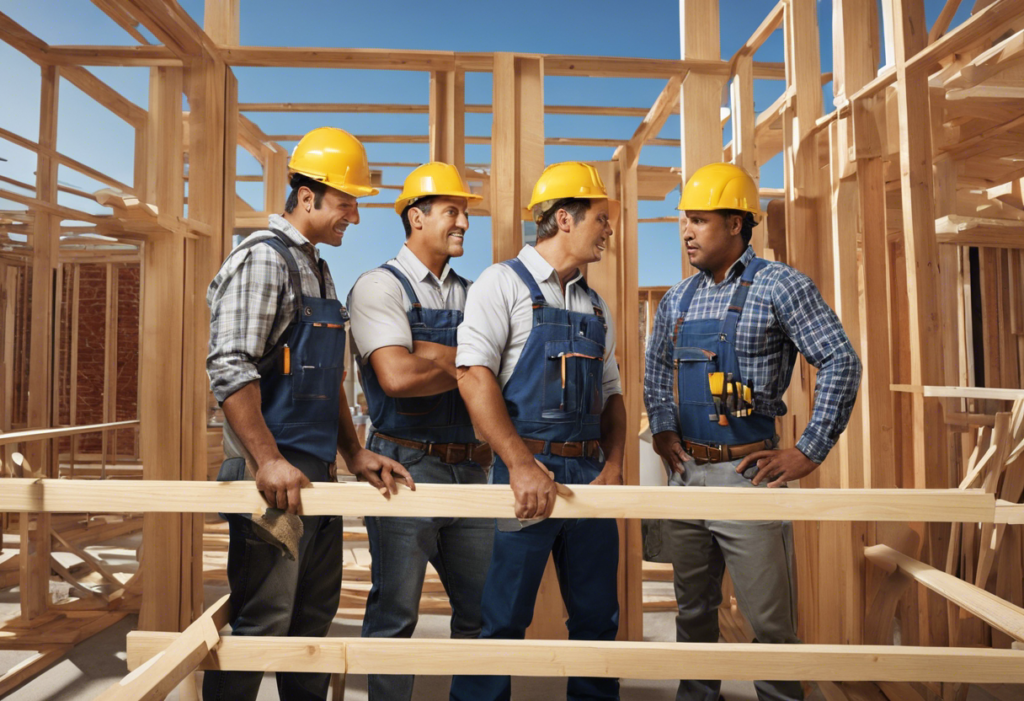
(286, 366)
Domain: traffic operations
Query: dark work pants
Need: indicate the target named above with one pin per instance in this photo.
(272, 595)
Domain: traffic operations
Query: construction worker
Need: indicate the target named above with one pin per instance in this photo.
(719, 359)
(536, 364)
(405, 316)
(277, 341)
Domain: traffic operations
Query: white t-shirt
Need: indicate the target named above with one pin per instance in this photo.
(499, 318)
(378, 305)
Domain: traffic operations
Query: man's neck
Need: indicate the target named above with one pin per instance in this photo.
(298, 226)
(435, 263)
(720, 273)
(565, 264)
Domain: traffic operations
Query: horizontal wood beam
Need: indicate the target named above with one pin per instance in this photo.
(997, 612)
(481, 140)
(962, 392)
(151, 55)
(483, 501)
(626, 660)
(381, 108)
(980, 231)
(64, 160)
(39, 434)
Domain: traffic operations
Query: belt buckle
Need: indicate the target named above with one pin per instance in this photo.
(448, 452)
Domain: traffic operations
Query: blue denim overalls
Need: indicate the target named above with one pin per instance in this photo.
(441, 418)
(554, 395)
(300, 387)
(706, 346)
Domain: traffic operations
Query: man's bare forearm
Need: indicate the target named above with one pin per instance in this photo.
(416, 374)
(243, 412)
(480, 390)
(613, 429)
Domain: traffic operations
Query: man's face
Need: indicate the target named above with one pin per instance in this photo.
(327, 224)
(589, 238)
(443, 230)
(709, 237)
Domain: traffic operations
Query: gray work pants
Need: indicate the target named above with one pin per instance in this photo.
(759, 555)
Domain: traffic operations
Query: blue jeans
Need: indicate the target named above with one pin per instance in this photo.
(458, 548)
(272, 595)
(586, 554)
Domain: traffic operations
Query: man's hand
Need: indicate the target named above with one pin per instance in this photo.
(669, 446)
(279, 481)
(780, 466)
(378, 471)
(610, 474)
(535, 490)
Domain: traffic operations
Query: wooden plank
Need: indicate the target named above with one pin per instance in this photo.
(38, 434)
(744, 148)
(125, 56)
(985, 605)
(51, 152)
(222, 21)
(447, 121)
(122, 18)
(174, 27)
(30, 667)
(628, 660)
(666, 102)
(979, 231)
(391, 108)
(942, 21)
(767, 27)
(480, 501)
(160, 674)
(997, 393)
(923, 57)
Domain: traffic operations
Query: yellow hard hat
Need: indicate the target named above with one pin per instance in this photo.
(335, 158)
(569, 179)
(721, 186)
(432, 179)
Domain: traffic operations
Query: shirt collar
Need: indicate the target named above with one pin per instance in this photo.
(736, 269)
(285, 227)
(540, 268)
(420, 271)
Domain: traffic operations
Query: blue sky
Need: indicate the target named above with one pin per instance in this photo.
(649, 29)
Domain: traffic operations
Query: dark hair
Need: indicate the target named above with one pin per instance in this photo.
(748, 223)
(547, 227)
(423, 204)
(315, 186)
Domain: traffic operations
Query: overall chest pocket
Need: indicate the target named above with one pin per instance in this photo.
(316, 361)
(692, 366)
(573, 372)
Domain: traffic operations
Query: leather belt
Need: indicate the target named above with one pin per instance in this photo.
(724, 453)
(572, 449)
(448, 453)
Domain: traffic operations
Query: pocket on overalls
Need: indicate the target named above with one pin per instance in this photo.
(692, 367)
(589, 355)
(312, 383)
(561, 385)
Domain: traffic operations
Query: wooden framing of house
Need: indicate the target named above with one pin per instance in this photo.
(903, 203)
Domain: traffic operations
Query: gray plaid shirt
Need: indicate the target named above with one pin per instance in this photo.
(784, 313)
(251, 304)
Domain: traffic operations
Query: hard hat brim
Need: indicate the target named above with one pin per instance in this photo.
(403, 202)
(614, 209)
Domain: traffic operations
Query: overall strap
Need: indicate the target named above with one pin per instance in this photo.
(739, 298)
(689, 290)
(407, 286)
(595, 302)
(527, 277)
(280, 243)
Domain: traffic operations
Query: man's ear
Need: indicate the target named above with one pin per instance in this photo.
(307, 198)
(564, 219)
(415, 215)
(735, 224)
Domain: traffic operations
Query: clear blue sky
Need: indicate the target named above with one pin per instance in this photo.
(649, 29)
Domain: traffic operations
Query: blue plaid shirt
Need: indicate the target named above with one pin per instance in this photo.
(784, 313)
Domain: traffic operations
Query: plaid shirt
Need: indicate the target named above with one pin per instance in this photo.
(251, 304)
(784, 313)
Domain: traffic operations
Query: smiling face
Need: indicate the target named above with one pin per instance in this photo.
(328, 222)
(441, 232)
(588, 238)
(712, 240)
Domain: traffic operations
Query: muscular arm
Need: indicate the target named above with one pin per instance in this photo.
(428, 370)
(532, 485)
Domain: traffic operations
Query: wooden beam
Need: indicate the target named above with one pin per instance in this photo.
(998, 613)
(627, 660)
(222, 21)
(981, 232)
(146, 56)
(382, 108)
(480, 501)
(943, 20)
(990, 20)
(447, 121)
(993, 393)
(174, 27)
(767, 27)
(63, 160)
(37, 434)
(161, 673)
(666, 102)
(744, 147)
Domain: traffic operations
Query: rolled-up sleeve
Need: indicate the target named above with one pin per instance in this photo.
(244, 299)
(819, 335)
(484, 330)
(658, 395)
(377, 313)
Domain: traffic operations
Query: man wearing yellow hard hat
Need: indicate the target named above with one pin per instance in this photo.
(536, 363)
(405, 315)
(719, 359)
(277, 342)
